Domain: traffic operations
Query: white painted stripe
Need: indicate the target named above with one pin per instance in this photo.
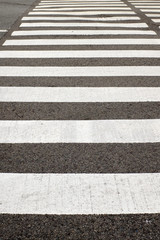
(1, 30)
(82, 1)
(35, 18)
(28, 71)
(51, 24)
(82, 9)
(156, 20)
(81, 32)
(149, 7)
(75, 1)
(84, 13)
(99, 41)
(80, 131)
(80, 193)
(82, 54)
(153, 15)
(79, 94)
(88, 1)
(150, 10)
(82, 6)
(147, 1)
(85, 2)
(141, 4)
(41, 5)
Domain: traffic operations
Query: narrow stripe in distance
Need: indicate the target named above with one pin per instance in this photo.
(83, 13)
(81, 9)
(156, 20)
(80, 5)
(117, 25)
(14, 71)
(81, 32)
(153, 15)
(81, 54)
(39, 42)
(148, 10)
(35, 18)
(149, 7)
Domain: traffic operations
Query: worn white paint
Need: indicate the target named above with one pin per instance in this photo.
(79, 94)
(149, 7)
(27, 71)
(79, 193)
(99, 41)
(141, 4)
(118, 18)
(80, 131)
(85, 2)
(153, 15)
(1, 30)
(156, 20)
(79, 1)
(48, 5)
(81, 32)
(83, 13)
(150, 10)
(78, 24)
(81, 54)
(81, 9)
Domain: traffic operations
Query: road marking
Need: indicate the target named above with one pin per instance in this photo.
(99, 41)
(156, 20)
(153, 15)
(150, 10)
(81, 32)
(138, 2)
(149, 7)
(80, 131)
(1, 30)
(83, 13)
(79, 94)
(85, 2)
(116, 25)
(82, 9)
(35, 18)
(81, 54)
(87, 71)
(145, 4)
(48, 5)
(79, 193)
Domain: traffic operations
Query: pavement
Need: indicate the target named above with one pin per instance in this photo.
(78, 163)
(10, 11)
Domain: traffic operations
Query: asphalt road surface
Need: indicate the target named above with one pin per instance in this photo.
(80, 120)
(10, 10)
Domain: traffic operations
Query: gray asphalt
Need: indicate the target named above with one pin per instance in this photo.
(77, 158)
(10, 10)
(91, 227)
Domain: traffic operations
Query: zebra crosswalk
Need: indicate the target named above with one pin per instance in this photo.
(150, 8)
(80, 122)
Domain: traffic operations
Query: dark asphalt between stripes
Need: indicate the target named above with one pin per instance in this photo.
(81, 81)
(80, 158)
(78, 111)
(80, 227)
